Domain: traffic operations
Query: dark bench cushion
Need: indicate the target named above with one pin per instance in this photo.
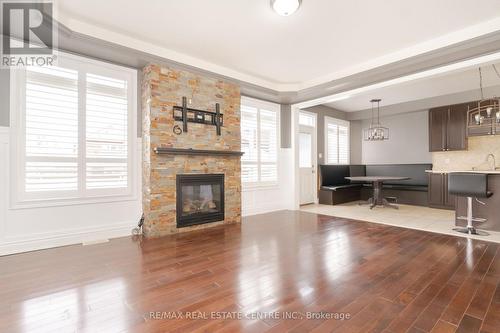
(356, 170)
(340, 187)
(416, 172)
(334, 175)
(400, 187)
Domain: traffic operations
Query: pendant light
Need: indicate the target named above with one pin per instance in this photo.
(376, 132)
(285, 7)
(484, 118)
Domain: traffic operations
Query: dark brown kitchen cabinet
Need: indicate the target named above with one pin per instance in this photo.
(448, 128)
(437, 128)
(449, 199)
(438, 192)
(436, 188)
(456, 133)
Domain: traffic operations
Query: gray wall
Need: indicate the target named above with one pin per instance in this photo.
(4, 97)
(286, 125)
(408, 143)
(323, 111)
(356, 132)
(408, 140)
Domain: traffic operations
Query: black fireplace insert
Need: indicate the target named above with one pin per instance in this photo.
(200, 199)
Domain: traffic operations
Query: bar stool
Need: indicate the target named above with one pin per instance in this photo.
(470, 185)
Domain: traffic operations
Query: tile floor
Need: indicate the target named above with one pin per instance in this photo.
(413, 217)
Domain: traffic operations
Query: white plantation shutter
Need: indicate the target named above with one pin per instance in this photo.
(268, 146)
(337, 141)
(332, 146)
(106, 132)
(51, 129)
(343, 144)
(249, 132)
(75, 133)
(259, 141)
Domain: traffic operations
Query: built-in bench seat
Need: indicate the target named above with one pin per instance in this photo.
(340, 187)
(401, 187)
(336, 189)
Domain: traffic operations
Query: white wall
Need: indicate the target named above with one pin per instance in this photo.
(280, 197)
(408, 142)
(31, 229)
(37, 228)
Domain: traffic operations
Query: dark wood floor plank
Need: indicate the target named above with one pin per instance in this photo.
(457, 307)
(491, 322)
(386, 278)
(482, 299)
(469, 324)
(427, 288)
(443, 327)
(433, 312)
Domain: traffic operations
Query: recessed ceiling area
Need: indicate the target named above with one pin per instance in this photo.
(458, 83)
(247, 40)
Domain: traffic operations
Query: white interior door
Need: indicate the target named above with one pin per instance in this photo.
(307, 164)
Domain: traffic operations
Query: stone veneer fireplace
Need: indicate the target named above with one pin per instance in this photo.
(200, 199)
(162, 89)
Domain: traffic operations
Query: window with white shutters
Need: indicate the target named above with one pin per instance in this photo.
(337, 141)
(51, 129)
(249, 145)
(75, 125)
(259, 142)
(106, 132)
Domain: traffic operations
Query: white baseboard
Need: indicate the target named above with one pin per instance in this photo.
(23, 238)
(70, 237)
(262, 209)
(4, 134)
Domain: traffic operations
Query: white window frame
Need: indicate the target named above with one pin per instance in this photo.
(338, 122)
(309, 114)
(260, 104)
(19, 198)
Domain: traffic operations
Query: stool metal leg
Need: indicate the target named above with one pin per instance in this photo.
(470, 227)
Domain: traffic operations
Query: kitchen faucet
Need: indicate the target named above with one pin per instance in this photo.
(494, 161)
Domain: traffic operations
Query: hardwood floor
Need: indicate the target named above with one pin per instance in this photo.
(387, 279)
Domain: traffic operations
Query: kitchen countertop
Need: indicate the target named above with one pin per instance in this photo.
(489, 172)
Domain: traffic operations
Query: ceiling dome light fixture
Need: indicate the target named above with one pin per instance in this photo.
(285, 7)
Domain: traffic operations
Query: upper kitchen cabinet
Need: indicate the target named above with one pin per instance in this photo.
(456, 134)
(448, 128)
(437, 128)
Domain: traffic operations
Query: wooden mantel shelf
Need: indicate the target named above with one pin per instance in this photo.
(191, 151)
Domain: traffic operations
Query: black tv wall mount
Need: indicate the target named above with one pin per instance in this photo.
(189, 115)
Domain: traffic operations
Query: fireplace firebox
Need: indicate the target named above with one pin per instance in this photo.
(200, 199)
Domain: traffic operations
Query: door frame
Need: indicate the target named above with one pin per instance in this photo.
(296, 130)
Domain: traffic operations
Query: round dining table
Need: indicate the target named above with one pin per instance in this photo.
(377, 199)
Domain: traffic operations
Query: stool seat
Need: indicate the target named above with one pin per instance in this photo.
(470, 185)
(467, 184)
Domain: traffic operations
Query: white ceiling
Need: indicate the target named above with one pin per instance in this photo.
(245, 39)
(455, 82)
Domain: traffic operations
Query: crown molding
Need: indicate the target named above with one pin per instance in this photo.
(421, 48)
(79, 36)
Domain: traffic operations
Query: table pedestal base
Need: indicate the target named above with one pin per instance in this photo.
(377, 199)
